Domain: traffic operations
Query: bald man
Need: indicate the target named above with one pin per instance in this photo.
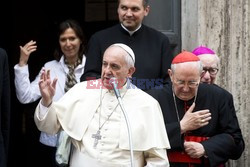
(90, 115)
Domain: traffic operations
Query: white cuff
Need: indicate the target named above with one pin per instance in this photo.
(43, 110)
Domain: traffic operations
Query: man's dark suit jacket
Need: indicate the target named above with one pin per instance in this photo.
(4, 107)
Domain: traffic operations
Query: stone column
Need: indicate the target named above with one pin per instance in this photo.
(224, 26)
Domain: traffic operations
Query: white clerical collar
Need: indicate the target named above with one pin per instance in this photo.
(131, 32)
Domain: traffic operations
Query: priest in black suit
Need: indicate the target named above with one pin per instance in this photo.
(151, 47)
(4, 107)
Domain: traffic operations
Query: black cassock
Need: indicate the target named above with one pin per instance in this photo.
(225, 138)
(4, 107)
(152, 54)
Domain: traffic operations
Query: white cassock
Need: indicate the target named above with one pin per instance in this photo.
(78, 114)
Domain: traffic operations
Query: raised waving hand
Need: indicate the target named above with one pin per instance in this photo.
(47, 87)
(25, 52)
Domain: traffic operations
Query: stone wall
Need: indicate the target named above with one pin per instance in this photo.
(224, 26)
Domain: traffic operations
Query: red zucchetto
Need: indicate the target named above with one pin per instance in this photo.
(185, 56)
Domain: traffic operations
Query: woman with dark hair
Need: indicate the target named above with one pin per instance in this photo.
(67, 67)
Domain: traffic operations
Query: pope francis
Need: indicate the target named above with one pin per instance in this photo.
(89, 113)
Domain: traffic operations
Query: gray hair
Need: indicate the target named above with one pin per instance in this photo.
(199, 65)
(129, 60)
(217, 60)
(216, 57)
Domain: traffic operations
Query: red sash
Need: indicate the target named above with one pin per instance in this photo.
(181, 156)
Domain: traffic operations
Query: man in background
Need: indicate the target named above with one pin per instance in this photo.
(210, 62)
(151, 47)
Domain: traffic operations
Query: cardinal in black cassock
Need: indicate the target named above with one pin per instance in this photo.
(200, 119)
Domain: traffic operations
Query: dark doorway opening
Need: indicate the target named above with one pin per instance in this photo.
(22, 21)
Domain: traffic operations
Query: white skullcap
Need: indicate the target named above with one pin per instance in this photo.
(127, 49)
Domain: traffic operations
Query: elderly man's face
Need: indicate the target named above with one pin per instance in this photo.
(210, 66)
(114, 65)
(131, 13)
(185, 79)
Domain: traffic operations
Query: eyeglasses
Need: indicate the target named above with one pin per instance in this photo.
(191, 84)
(212, 71)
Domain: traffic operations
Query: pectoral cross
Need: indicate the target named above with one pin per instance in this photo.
(97, 137)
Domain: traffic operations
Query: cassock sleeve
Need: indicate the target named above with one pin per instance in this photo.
(236, 131)
(228, 143)
(47, 123)
(93, 61)
(167, 56)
